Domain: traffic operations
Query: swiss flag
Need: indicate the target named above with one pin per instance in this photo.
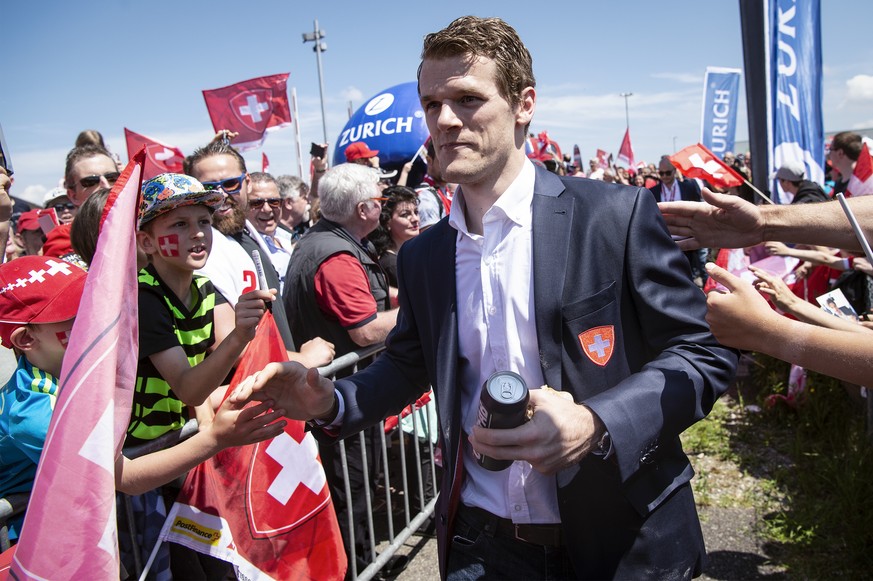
(626, 152)
(604, 159)
(160, 158)
(861, 182)
(250, 108)
(265, 163)
(263, 507)
(696, 161)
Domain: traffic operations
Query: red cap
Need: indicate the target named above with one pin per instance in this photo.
(57, 242)
(28, 221)
(38, 289)
(359, 150)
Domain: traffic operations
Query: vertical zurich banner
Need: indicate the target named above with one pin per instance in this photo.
(718, 125)
(796, 81)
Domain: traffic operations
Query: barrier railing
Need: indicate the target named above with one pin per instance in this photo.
(415, 428)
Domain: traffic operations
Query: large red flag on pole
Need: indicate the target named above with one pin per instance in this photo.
(70, 528)
(250, 108)
(159, 157)
(696, 161)
(263, 507)
(626, 152)
(861, 182)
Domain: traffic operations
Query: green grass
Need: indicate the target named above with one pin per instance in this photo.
(812, 468)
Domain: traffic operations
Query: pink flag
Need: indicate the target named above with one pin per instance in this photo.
(604, 159)
(69, 531)
(263, 507)
(250, 108)
(861, 182)
(265, 163)
(696, 161)
(626, 152)
(160, 158)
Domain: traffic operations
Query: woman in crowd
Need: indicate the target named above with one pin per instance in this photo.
(398, 223)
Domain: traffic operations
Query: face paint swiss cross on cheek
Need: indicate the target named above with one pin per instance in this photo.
(63, 337)
(168, 245)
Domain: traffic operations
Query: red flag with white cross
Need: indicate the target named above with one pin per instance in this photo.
(263, 507)
(696, 161)
(160, 157)
(250, 108)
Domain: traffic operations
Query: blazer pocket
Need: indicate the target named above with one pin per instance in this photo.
(594, 342)
(590, 304)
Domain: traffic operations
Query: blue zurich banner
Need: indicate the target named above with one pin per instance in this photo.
(796, 87)
(392, 123)
(721, 93)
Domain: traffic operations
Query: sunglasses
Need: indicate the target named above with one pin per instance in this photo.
(665, 173)
(230, 186)
(91, 181)
(259, 203)
(69, 207)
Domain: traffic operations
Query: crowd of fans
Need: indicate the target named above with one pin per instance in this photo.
(331, 256)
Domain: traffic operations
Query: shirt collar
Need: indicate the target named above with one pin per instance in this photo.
(514, 203)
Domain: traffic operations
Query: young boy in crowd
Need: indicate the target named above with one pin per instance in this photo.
(176, 331)
(175, 308)
(39, 297)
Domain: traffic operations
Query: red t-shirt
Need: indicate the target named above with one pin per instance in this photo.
(342, 291)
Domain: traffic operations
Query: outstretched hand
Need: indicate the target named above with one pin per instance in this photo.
(739, 317)
(302, 393)
(237, 425)
(559, 434)
(720, 221)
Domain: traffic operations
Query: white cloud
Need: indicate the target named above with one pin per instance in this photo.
(352, 94)
(33, 194)
(685, 78)
(860, 88)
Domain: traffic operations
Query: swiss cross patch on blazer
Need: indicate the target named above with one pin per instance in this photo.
(597, 343)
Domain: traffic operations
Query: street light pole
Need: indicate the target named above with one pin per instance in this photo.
(626, 113)
(315, 36)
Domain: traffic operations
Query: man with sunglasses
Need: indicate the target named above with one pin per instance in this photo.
(88, 169)
(230, 266)
(264, 212)
(64, 208)
(671, 189)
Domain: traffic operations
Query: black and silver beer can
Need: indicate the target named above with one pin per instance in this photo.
(502, 405)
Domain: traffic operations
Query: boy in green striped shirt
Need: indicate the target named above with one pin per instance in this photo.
(175, 308)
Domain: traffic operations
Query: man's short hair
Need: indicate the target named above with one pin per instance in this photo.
(343, 187)
(493, 38)
(291, 187)
(849, 143)
(79, 153)
(217, 147)
(260, 177)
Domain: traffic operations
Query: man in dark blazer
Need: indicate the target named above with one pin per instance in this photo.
(672, 190)
(599, 307)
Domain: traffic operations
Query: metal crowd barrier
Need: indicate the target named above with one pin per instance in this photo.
(397, 495)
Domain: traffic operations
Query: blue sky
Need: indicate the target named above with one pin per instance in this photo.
(107, 65)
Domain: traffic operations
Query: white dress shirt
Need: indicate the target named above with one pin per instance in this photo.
(497, 332)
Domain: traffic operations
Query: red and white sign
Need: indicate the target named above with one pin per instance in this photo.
(160, 158)
(696, 161)
(597, 343)
(264, 507)
(861, 182)
(250, 108)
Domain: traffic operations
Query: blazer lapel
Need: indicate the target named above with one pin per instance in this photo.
(552, 217)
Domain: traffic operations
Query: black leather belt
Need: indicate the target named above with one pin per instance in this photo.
(544, 535)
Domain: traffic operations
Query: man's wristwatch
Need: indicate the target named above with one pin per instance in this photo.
(604, 445)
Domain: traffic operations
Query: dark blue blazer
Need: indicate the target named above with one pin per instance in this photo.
(601, 256)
